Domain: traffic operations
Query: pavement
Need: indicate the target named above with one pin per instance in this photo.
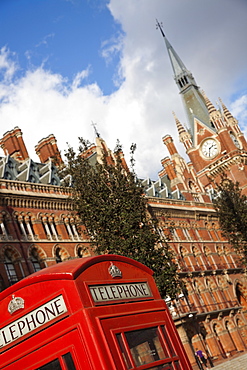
(237, 363)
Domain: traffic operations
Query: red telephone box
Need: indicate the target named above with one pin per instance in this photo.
(93, 313)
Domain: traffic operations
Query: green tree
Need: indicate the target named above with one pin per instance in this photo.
(231, 207)
(110, 203)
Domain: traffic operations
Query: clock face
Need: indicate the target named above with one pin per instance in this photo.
(210, 148)
(235, 140)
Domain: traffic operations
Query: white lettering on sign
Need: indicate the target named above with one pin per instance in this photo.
(103, 293)
(33, 320)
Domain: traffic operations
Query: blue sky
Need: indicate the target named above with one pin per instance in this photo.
(66, 63)
(64, 36)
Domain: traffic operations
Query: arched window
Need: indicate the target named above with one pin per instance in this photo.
(83, 252)
(35, 260)
(58, 255)
(80, 252)
(10, 267)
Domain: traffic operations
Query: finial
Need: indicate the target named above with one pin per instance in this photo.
(95, 129)
(226, 111)
(160, 26)
(180, 127)
(211, 108)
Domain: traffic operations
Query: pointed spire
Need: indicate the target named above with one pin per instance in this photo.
(226, 112)
(193, 100)
(209, 104)
(176, 62)
(183, 76)
(216, 119)
(179, 125)
(184, 135)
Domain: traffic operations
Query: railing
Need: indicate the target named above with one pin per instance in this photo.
(179, 308)
(40, 188)
(206, 267)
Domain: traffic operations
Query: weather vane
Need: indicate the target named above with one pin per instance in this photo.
(95, 129)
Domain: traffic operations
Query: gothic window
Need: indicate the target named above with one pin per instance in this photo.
(35, 260)
(61, 254)
(58, 255)
(80, 252)
(83, 252)
(10, 267)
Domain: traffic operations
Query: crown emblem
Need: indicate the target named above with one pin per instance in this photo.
(114, 271)
(15, 304)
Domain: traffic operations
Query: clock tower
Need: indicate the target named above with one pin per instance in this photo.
(214, 142)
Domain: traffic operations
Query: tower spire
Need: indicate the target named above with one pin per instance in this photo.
(181, 74)
(191, 95)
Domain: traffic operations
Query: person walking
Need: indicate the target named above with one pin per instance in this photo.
(202, 357)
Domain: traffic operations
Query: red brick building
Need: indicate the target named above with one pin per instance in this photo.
(38, 226)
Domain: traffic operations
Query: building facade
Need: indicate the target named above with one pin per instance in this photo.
(38, 227)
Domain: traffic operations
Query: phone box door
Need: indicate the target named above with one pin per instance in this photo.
(64, 353)
(144, 341)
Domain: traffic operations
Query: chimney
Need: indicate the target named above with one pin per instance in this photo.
(47, 149)
(13, 144)
(168, 141)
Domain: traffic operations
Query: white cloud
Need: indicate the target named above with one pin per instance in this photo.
(239, 111)
(111, 47)
(80, 76)
(45, 40)
(239, 108)
(8, 65)
(209, 37)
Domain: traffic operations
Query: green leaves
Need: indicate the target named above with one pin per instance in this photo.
(111, 205)
(231, 207)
